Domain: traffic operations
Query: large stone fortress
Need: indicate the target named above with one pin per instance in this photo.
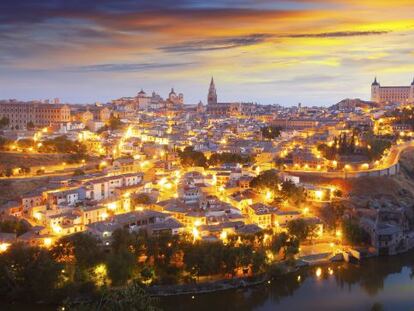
(38, 113)
(392, 94)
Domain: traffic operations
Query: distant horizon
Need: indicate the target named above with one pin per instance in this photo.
(204, 101)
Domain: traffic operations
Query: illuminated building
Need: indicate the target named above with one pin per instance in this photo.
(40, 114)
(392, 94)
(225, 109)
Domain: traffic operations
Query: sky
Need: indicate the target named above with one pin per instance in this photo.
(316, 52)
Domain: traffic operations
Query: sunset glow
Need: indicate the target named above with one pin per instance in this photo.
(269, 52)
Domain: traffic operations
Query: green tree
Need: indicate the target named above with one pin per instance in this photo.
(130, 298)
(353, 233)
(4, 142)
(14, 226)
(4, 122)
(290, 191)
(81, 251)
(140, 198)
(121, 266)
(299, 229)
(191, 158)
(267, 180)
(114, 123)
(226, 157)
(279, 241)
(270, 132)
(28, 273)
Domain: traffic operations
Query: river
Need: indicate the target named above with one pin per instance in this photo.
(384, 281)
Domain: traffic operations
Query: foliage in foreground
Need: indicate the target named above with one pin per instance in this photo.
(130, 298)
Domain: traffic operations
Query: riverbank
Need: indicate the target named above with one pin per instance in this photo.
(384, 281)
(276, 270)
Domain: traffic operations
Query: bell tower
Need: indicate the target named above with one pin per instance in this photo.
(212, 94)
(375, 91)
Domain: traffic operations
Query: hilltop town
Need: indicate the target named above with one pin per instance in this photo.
(310, 184)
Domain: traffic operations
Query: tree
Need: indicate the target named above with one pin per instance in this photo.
(267, 180)
(354, 234)
(299, 229)
(141, 198)
(290, 191)
(279, 241)
(226, 157)
(62, 144)
(4, 142)
(270, 132)
(378, 146)
(114, 123)
(81, 251)
(120, 266)
(332, 214)
(130, 298)
(4, 122)
(191, 158)
(28, 273)
(14, 226)
(258, 261)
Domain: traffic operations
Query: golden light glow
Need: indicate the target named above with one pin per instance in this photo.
(196, 234)
(318, 272)
(47, 242)
(4, 247)
(37, 216)
(223, 236)
(112, 206)
(319, 195)
(101, 274)
(269, 196)
(57, 229)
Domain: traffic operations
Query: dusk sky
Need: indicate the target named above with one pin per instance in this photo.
(312, 51)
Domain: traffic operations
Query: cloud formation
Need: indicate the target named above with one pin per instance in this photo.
(256, 49)
(128, 67)
(217, 44)
(337, 34)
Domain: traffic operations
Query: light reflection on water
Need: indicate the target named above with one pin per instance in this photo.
(386, 281)
(339, 287)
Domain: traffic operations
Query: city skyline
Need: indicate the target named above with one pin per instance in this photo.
(284, 52)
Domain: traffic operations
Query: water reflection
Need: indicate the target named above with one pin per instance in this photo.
(386, 281)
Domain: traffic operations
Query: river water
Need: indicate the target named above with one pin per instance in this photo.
(386, 282)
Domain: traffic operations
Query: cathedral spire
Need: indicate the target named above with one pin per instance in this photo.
(212, 94)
